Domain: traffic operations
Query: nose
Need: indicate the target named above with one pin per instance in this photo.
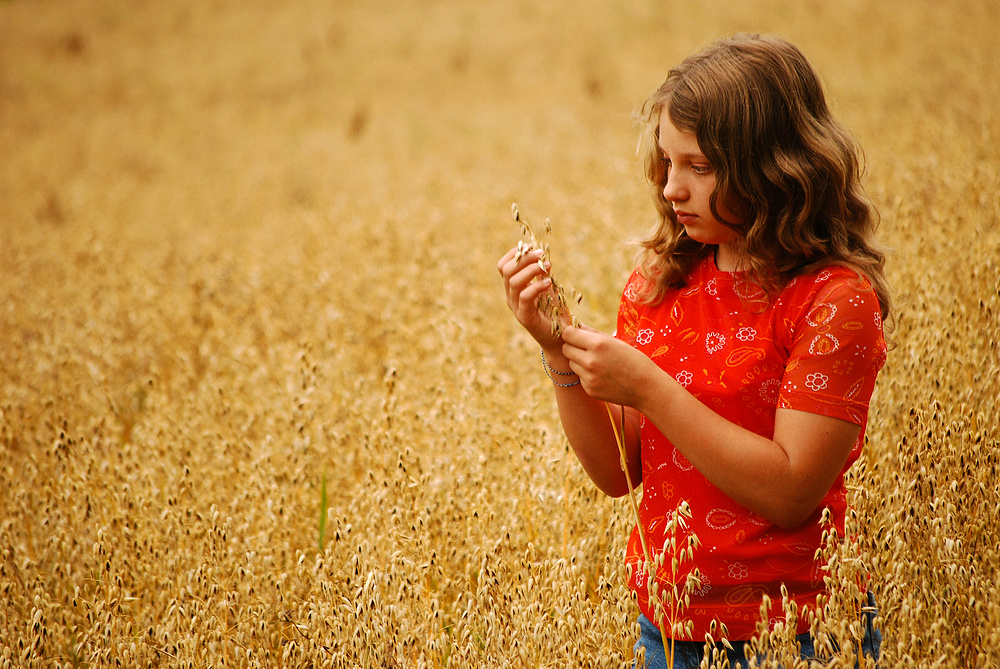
(674, 190)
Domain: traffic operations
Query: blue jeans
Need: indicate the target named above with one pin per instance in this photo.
(688, 654)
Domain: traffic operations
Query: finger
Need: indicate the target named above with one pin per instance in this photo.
(523, 295)
(511, 263)
(584, 336)
(574, 356)
(507, 257)
(528, 299)
(524, 272)
(573, 335)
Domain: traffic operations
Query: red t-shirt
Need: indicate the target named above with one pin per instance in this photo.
(817, 348)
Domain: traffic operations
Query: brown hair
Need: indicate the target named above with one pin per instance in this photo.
(782, 161)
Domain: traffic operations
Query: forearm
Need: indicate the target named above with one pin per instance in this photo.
(588, 428)
(781, 484)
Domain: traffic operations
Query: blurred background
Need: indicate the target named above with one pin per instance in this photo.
(247, 264)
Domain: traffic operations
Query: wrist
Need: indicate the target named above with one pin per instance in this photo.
(554, 357)
(653, 388)
(563, 379)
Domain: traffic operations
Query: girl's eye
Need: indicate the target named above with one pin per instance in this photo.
(701, 169)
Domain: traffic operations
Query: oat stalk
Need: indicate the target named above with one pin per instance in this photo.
(555, 303)
(620, 439)
(619, 430)
(679, 596)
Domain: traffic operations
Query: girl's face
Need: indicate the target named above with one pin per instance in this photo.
(689, 187)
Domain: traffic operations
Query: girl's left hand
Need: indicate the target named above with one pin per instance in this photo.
(609, 369)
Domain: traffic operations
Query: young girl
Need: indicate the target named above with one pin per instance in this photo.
(749, 338)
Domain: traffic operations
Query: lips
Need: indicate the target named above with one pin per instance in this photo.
(684, 218)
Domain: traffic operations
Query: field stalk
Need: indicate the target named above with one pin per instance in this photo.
(619, 431)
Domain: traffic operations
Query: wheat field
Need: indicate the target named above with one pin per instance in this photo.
(261, 403)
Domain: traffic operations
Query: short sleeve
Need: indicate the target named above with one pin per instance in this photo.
(837, 348)
(628, 310)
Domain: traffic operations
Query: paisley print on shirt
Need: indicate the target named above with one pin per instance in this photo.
(817, 348)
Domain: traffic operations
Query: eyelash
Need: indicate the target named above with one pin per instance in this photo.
(697, 169)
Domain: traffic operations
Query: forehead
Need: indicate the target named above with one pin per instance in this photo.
(674, 140)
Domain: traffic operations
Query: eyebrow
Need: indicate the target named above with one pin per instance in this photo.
(686, 156)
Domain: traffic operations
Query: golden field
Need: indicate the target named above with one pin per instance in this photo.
(261, 403)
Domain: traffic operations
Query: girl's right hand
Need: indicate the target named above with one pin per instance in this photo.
(525, 281)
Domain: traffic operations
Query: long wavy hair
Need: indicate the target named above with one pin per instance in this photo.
(783, 164)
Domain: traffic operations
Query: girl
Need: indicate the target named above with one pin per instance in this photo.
(749, 338)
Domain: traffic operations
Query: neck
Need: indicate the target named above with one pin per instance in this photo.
(725, 258)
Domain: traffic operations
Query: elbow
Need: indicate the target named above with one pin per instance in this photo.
(788, 521)
(614, 491)
(608, 476)
(800, 502)
(792, 516)
(611, 487)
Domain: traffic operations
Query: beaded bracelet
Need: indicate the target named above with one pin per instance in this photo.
(549, 371)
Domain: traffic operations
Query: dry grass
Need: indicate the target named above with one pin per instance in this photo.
(248, 248)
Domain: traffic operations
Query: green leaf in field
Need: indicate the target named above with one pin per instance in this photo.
(322, 511)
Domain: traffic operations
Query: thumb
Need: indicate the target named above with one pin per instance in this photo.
(587, 328)
(580, 335)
